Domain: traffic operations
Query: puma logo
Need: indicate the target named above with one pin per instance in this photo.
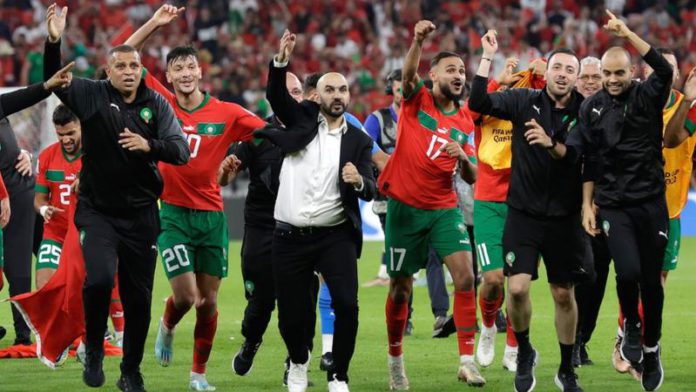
(662, 234)
(113, 105)
(598, 111)
(535, 107)
(442, 130)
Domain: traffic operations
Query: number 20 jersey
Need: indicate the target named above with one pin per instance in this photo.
(418, 173)
(54, 176)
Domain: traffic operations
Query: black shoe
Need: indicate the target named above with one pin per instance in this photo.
(3, 332)
(631, 348)
(131, 382)
(652, 374)
(23, 338)
(567, 381)
(444, 327)
(93, 374)
(524, 376)
(584, 356)
(501, 322)
(244, 360)
(408, 331)
(326, 364)
(576, 354)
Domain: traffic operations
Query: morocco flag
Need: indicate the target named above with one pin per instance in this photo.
(55, 313)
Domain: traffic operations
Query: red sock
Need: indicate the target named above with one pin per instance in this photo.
(172, 315)
(465, 320)
(203, 335)
(116, 310)
(642, 318)
(2, 282)
(621, 318)
(397, 315)
(489, 310)
(511, 339)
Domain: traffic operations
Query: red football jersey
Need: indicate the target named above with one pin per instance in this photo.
(418, 173)
(55, 175)
(3, 190)
(210, 129)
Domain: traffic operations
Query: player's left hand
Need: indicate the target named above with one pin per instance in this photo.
(133, 142)
(75, 187)
(230, 164)
(454, 150)
(23, 165)
(537, 135)
(60, 79)
(616, 26)
(351, 176)
(690, 85)
(5, 212)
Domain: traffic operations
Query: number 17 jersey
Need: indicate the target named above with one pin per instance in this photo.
(418, 172)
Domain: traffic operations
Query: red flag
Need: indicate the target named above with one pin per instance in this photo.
(55, 313)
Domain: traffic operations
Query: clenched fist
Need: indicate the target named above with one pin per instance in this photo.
(351, 176)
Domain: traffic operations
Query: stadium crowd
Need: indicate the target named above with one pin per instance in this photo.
(364, 40)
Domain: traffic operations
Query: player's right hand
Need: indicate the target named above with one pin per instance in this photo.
(5, 212)
(489, 42)
(287, 45)
(50, 210)
(55, 22)
(506, 77)
(166, 14)
(589, 219)
(423, 29)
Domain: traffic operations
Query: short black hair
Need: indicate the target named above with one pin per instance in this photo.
(181, 52)
(443, 55)
(62, 115)
(122, 49)
(394, 76)
(563, 51)
(311, 81)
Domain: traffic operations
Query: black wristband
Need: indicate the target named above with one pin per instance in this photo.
(553, 144)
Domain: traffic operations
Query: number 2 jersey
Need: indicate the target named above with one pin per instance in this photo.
(418, 172)
(55, 174)
(210, 129)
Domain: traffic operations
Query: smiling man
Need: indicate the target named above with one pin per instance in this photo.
(543, 201)
(432, 130)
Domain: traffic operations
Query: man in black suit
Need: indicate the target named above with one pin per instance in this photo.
(326, 168)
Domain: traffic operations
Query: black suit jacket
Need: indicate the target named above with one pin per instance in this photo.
(301, 126)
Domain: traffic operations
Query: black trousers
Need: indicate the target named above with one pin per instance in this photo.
(637, 238)
(125, 245)
(296, 255)
(589, 294)
(259, 288)
(18, 236)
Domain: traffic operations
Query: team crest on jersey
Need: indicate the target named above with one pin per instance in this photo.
(605, 227)
(146, 115)
(510, 258)
(249, 286)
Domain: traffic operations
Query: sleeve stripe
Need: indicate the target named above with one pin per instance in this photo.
(690, 126)
(415, 90)
(41, 188)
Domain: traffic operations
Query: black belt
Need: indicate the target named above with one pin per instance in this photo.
(304, 231)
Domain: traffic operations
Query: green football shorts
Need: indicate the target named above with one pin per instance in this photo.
(489, 221)
(672, 251)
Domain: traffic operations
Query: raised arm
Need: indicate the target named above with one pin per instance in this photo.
(284, 106)
(162, 17)
(682, 125)
(410, 78)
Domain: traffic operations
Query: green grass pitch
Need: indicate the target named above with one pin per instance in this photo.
(431, 364)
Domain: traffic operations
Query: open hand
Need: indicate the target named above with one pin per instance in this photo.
(55, 21)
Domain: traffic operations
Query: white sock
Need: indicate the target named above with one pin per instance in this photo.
(194, 375)
(382, 274)
(510, 349)
(118, 335)
(466, 358)
(651, 349)
(619, 332)
(326, 343)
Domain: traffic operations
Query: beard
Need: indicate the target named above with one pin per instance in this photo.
(449, 94)
(328, 109)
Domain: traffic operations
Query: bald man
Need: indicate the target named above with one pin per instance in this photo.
(326, 168)
(620, 132)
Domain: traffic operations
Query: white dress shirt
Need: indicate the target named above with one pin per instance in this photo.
(308, 194)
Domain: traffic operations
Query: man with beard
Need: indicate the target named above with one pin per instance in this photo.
(325, 233)
(194, 239)
(432, 131)
(544, 200)
(57, 175)
(620, 133)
